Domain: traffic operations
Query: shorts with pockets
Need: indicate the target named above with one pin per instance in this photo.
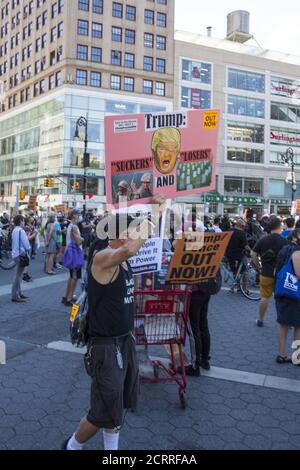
(113, 389)
(267, 286)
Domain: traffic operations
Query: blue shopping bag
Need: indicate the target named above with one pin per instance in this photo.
(73, 257)
(287, 283)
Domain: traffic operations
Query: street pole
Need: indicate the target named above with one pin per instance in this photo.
(82, 122)
(18, 200)
(84, 170)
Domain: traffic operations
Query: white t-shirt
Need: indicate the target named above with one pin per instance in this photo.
(68, 236)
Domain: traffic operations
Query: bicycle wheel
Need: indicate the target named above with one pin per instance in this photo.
(249, 283)
(6, 262)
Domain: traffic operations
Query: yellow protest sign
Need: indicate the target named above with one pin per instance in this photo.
(74, 312)
(190, 266)
(211, 119)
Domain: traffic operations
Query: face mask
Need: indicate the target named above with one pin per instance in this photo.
(80, 218)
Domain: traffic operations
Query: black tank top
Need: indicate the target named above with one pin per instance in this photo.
(111, 306)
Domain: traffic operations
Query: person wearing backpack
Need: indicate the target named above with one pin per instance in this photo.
(288, 308)
(111, 358)
(267, 248)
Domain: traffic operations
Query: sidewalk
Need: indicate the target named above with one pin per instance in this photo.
(45, 392)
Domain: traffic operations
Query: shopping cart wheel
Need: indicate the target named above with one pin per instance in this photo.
(156, 371)
(182, 399)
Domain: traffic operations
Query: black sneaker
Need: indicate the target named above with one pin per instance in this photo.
(205, 364)
(190, 371)
(259, 323)
(64, 445)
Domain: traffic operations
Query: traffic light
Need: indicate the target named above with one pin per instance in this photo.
(22, 194)
(48, 182)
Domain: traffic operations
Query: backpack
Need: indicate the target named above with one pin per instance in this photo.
(79, 321)
(211, 286)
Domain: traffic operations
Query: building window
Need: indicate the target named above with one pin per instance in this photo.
(195, 98)
(82, 52)
(160, 65)
(243, 80)
(148, 63)
(148, 40)
(129, 84)
(285, 112)
(161, 20)
(195, 71)
(130, 13)
(83, 5)
(129, 36)
(97, 30)
(96, 54)
(53, 34)
(81, 77)
(58, 78)
(83, 28)
(38, 45)
(160, 88)
(115, 82)
(246, 155)
(60, 29)
(61, 6)
(51, 82)
(36, 89)
(149, 17)
(116, 34)
(54, 10)
(242, 106)
(162, 2)
(96, 79)
(253, 133)
(98, 6)
(129, 60)
(117, 10)
(44, 40)
(148, 87)
(161, 43)
(243, 186)
(116, 58)
(285, 87)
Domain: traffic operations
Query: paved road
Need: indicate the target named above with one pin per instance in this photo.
(246, 402)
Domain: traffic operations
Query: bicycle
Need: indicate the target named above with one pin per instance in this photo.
(246, 279)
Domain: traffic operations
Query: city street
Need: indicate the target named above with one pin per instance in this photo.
(246, 401)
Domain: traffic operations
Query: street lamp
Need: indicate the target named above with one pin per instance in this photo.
(82, 122)
(287, 158)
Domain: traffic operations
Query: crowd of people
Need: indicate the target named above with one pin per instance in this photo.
(269, 242)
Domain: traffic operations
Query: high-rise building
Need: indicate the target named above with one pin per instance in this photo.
(62, 59)
(258, 94)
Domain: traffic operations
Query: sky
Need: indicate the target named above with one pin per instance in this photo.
(273, 23)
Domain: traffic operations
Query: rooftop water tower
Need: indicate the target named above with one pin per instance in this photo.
(238, 26)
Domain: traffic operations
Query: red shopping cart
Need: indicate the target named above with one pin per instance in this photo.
(161, 319)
